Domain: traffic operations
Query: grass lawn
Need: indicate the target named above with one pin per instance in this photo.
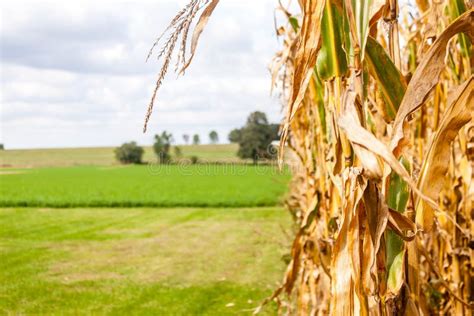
(104, 156)
(140, 261)
(131, 186)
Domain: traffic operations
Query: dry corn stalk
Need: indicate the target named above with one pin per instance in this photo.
(379, 116)
(382, 132)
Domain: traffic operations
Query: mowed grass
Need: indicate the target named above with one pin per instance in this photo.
(140, 261)
(178, 259)
(104, 156)
(144, 185)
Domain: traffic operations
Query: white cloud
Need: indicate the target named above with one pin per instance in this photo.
(73, 73)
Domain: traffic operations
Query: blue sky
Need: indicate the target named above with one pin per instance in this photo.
(73, 73)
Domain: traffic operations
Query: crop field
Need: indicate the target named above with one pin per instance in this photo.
(80, 234)
(104, 156)
(145, 185)
(123, 261)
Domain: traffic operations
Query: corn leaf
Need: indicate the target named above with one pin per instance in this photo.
(332, 60)
(363, 139)
(318, 96)
(377, 217)
(349, 120)
(427, 74)
(294, 23)
(305, 59)
(396, 272)
(307, 50)
(359, 12)
(346, 260)
(362, 15)
(388, 77)
(397, 199)
(435, 165)
(398, 191)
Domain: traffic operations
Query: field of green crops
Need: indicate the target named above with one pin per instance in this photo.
(156, 185)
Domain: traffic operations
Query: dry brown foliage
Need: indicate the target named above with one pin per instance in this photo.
(380, 104)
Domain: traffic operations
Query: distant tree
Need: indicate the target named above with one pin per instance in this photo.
(255, 137)
(213, 137)
(162, 146)
(194, 159)
(2, 147)
(129, 153)
(196, 139)
(234, 135)
(186, 138)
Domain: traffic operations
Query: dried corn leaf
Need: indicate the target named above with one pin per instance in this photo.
(370, 162)
(435, 165)
(346, 259)
(308, 47)
(427, 74)
(402, 225)
(359, 136)
(377, 216)
(305, 59)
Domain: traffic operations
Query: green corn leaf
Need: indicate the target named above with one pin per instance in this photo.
(397, 199)
(294, 23)
(332, 60)
(389, 79)
(398, 192)
(396, 272)
(320, 102)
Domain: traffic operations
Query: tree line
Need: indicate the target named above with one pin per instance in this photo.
(254, 139)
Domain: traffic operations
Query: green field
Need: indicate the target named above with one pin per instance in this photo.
(140, 261)
(81, 234)
(104, 156)
(156, 185)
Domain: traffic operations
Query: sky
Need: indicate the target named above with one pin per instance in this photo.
(73, 73)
